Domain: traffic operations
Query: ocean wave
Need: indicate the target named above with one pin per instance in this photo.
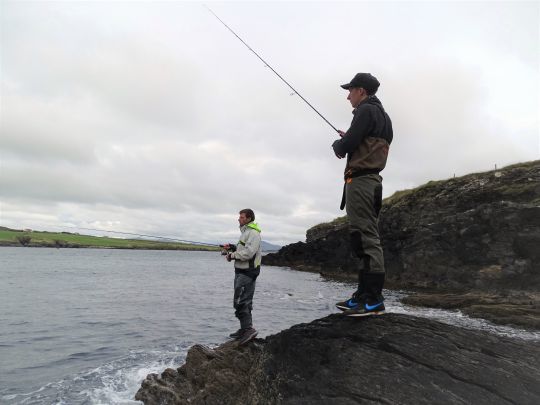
(112, 383)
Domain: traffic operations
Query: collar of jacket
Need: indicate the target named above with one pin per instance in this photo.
(252, 225)
(373, 97)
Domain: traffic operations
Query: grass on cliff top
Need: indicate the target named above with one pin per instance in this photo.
(335, 222)
(398, 195)
(509, 188)
(10, 237)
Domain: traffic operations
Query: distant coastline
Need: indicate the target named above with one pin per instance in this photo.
(32, 238)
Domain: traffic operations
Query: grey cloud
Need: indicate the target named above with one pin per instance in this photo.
(153, 118)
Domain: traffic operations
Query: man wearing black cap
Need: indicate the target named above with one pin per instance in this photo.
(366, 144)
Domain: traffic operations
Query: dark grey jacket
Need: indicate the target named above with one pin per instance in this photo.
(367, 141)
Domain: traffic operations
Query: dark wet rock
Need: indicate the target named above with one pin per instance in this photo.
(219, 376)
(337, 360)
(479, 233)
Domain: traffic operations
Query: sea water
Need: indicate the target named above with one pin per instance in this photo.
(85, 326)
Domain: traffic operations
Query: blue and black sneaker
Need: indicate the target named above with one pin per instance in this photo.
(366, 310)
(351, 303)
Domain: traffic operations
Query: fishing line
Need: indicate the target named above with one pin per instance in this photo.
(271, 68)
(143, 235)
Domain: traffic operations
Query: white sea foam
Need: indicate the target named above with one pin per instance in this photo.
(113, 383)
(117, 382)
(458, 318)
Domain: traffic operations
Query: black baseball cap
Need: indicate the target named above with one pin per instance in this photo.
(365, 80)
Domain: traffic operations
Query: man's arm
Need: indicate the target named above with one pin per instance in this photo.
(249, 249)
(360, 127)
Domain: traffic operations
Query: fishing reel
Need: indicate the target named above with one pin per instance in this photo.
(227, 248)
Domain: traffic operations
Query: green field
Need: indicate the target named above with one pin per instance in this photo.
(11, 237)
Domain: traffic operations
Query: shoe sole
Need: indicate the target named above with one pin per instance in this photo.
(341, 308)
(366, 314)
(245, 340)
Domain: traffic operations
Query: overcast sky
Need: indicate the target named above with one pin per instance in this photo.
(151, 117)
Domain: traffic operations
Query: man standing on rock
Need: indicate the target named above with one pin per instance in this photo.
(366, 144)
(247, 265)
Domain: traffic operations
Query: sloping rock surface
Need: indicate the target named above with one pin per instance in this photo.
(391, 359)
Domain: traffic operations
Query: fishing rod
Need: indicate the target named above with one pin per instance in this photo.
(147, 236)
(271, 68)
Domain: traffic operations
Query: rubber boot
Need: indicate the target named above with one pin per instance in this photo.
(374, 283)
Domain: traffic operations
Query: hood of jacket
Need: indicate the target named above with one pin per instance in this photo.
(252, 225)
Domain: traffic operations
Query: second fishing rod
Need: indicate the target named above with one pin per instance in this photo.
(272, 69)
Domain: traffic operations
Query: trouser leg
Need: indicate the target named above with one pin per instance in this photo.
(244, 289)
(358, 251)
(363, 203)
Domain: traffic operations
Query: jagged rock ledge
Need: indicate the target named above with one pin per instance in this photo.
(389, 359)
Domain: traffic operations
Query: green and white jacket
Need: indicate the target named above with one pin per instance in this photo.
(248, 250)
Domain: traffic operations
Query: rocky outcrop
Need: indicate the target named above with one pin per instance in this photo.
(479, 233)
(389, 359)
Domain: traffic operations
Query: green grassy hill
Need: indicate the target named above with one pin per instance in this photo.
(14, 237)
